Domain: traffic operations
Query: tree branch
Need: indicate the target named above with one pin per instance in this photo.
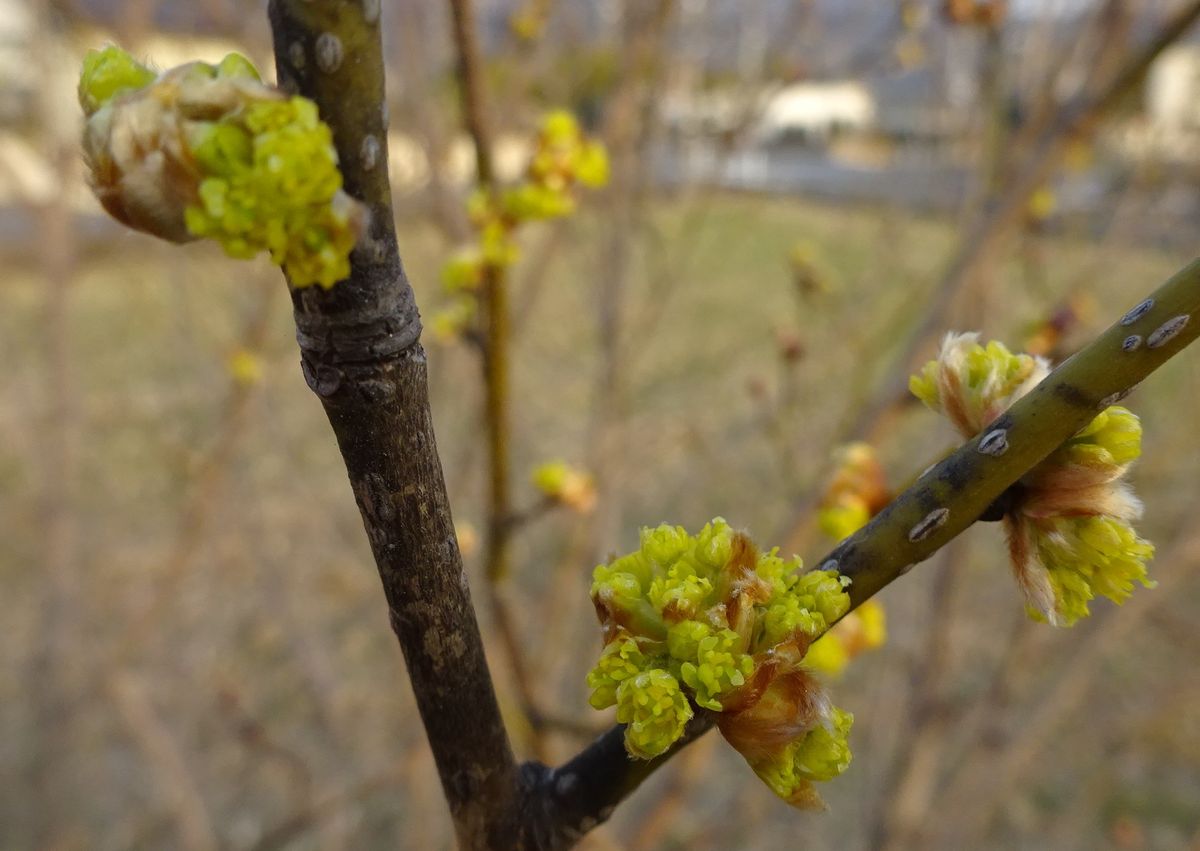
(494, 301)
(951, 495)
(958, 490)
(361, 355)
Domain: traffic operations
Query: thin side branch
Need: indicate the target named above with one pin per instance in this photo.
(495, 349)
(494, 300)
(957, 491)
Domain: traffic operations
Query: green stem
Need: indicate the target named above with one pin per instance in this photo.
(499, 426)
(958, 490)
(951, 496)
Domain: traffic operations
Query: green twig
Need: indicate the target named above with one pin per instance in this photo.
(496, 350)
(957, 491)
(952, 495)
(494, 299)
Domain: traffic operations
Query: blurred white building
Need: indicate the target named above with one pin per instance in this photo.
(1173, 90)
(816, 111)
(1168, 127)
(17, 71)
(799, 112)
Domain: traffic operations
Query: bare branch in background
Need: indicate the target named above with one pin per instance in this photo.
(984, 235)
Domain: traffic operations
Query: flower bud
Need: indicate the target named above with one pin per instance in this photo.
(565, 484)
(204, 150)
(820, 754)
(855, 493)
(706, 617)
(973, 384)
(1068, 521)
(655, 711)
(620, 660)
(107, 73)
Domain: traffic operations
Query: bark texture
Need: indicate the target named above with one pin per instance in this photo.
(361, 355)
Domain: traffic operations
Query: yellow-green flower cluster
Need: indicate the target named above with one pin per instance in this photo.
(707, 620)
(972, 384)
(1106, 444)
(563, 160)
(1086, 557)
(653, 709)
(711, 663)
(820, 754)
(210, 151)
(1070, 533)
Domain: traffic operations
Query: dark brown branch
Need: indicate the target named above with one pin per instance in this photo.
(579, 795)
(361, 355)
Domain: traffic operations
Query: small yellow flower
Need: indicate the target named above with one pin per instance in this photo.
(863, 629)
(856, 492)
(245, 366)
(563, 483)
